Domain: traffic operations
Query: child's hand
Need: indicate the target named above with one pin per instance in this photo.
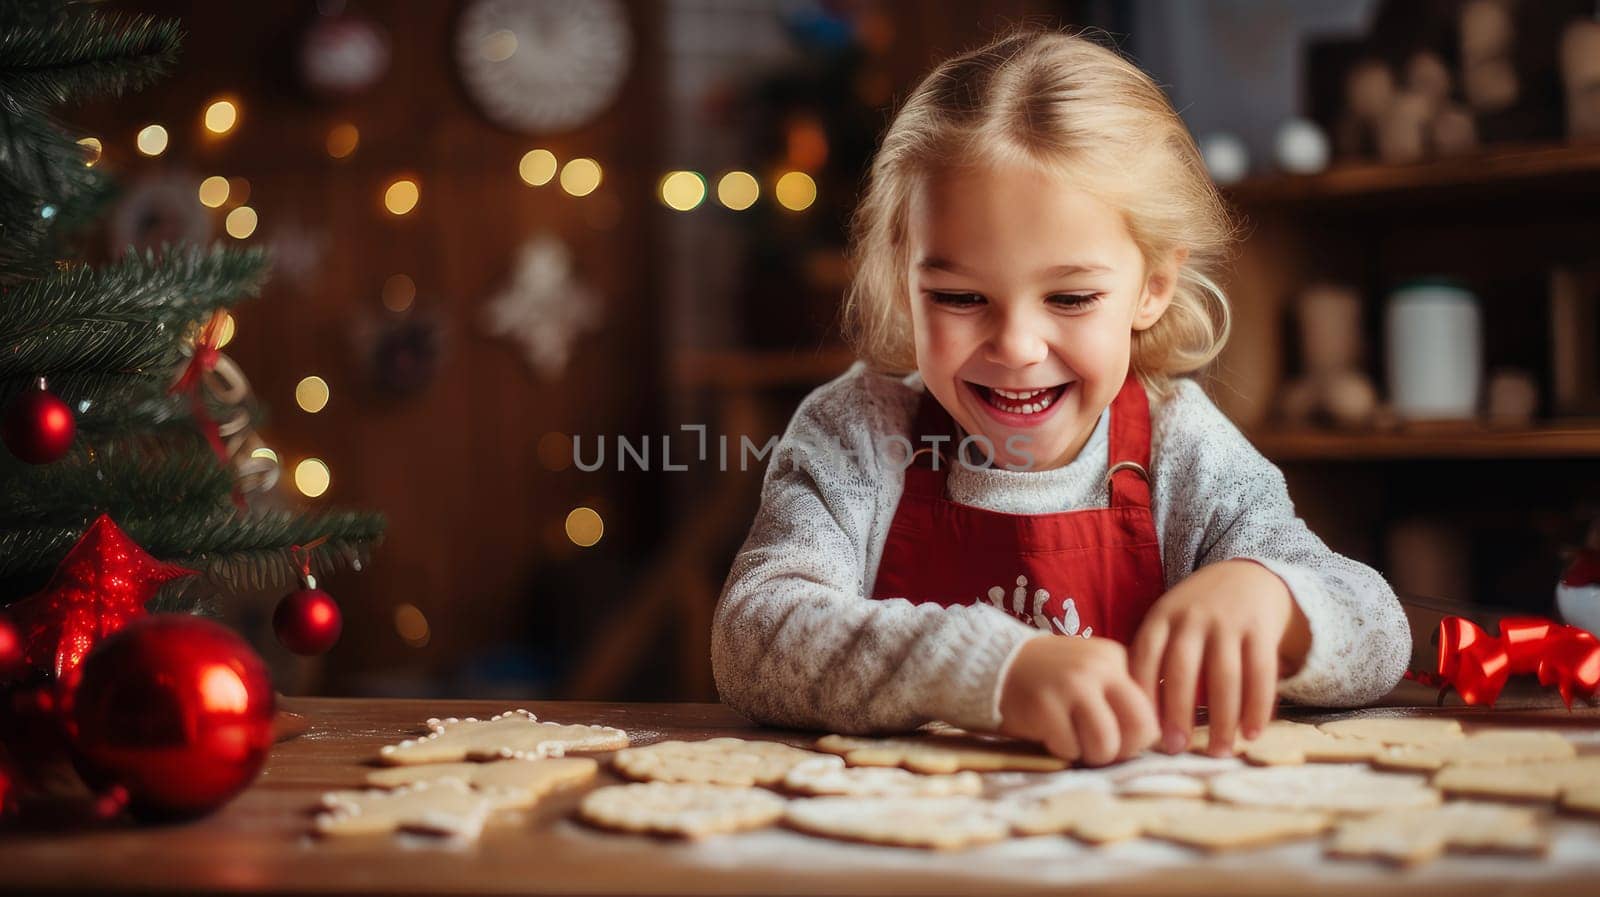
(1235, 620)
(1075, 696)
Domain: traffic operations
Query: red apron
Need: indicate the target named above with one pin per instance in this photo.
(1081, 573)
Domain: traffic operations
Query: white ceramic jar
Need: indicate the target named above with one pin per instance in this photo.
(1434, 340)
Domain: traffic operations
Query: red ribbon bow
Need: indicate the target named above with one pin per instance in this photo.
(1477, 664)
(201, 363)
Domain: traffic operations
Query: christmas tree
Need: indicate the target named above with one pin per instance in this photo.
(129, 422)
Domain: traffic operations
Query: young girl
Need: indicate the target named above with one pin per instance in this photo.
(1041, 529)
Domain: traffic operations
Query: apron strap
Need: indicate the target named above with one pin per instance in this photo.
(1128, 465)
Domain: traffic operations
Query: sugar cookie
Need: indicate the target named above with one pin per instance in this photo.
(715, 761)
(1546, 780)
(828, 775)
(1284, 743)
(680, 809)
(1323, 789)
(532, 779)
(940, 823)
(1093, 816)
(941, 753)
(1214, 827)
(1393, 730)
(515, 734)
(446, 807)
(1160, 784)
(1494, 747)
(1584, 800)
(1418, 835)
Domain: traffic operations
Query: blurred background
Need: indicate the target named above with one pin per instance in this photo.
(501, 226)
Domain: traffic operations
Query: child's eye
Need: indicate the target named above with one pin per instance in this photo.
(1075, 301)
(957, 300)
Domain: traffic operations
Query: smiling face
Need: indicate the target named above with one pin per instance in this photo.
(1025, 292)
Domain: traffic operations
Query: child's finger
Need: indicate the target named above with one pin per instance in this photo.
(1223, 655)
(1260, 684)
(1145, 660)
(1059, 739)
(1180, 669)
(1098, 733)
(1137, 715)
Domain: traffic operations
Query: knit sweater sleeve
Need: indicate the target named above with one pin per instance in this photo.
(1225, 501)
(796, 639)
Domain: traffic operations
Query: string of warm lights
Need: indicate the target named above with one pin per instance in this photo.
(681, 190)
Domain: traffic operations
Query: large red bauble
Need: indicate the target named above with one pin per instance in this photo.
(12, 651)
(177, 710)
(38, 427)
(307, 621)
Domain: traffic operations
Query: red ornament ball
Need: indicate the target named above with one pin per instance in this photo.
(12, 651)
(307, 622)
(175, 709)
(38, 427)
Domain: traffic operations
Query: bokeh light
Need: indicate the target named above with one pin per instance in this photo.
(312, 477)
(738, 190)
(402, 196)
(311, 394)
(240, 223)
(343, 138)
(796, 191)
(226, 332)
(537, 167)
(94, 149)
(221, 116)
(411, 625)
(683, 190)
(214, 191)
(555, 451)
(399, 292)
(498, 46)
(152, 140)
(584, 527)
(581, 177)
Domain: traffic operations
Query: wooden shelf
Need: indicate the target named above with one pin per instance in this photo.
(1557, 165)
(735, 369)
(1461, 441)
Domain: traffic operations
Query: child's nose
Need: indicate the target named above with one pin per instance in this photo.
(1016, 342)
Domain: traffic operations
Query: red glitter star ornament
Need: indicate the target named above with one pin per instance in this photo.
(102, 584)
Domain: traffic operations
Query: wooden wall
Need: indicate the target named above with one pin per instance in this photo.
(472, 512)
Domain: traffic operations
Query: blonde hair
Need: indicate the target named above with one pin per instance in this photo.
(1063, 103)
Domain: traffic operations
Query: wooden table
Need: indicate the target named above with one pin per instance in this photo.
(258, 844)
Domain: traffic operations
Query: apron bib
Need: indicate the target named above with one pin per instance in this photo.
(1092, 572)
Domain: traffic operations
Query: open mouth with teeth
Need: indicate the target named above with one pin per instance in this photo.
(1022, 403)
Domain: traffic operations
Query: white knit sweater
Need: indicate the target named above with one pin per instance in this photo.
(796, 641)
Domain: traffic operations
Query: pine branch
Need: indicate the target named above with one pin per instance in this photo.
(205, 541)
(123, 317)
(131, 479)
(44, 187)
(77, 56)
